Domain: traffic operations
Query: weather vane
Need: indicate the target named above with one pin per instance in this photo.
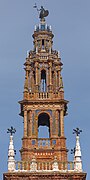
(42, 12)
(11, 130)
(77, 131)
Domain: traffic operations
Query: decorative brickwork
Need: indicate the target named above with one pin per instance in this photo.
(45, 176)
(43, 104)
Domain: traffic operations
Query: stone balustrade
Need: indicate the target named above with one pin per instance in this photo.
(44, 166)
(45, 95)
(40, 95)
(43, 142)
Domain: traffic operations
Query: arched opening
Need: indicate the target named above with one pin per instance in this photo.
(42, 43)
(43, 126)
(43, 81)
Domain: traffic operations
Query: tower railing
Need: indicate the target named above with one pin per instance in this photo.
(39, 95)
(44, 95)
(44, 166)
(43, 142)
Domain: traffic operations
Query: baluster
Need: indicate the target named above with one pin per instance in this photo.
(39, 166)
(42, 166)
(49, 166)
(45, 165)
(60, 165)
(22, 165)
(27, 165)
(46, 142)
(63, 165)
(19, 165)
(66, 165)
(39, 95)
(42, 95)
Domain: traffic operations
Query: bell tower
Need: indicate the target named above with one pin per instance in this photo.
(44, 154)
(43, 101)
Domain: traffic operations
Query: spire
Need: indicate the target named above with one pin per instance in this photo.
(11, 151)
(77, 155)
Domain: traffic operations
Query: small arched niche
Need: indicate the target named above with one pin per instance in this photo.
(43, 126)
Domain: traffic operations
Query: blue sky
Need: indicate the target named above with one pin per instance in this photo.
(70, 21)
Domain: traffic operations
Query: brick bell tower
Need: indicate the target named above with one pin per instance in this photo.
(43, 156)
(43, 103)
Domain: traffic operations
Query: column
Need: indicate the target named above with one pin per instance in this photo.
(36, 126)
(57, 124)
(50, 74)
(29, 119)
(36, 75)
(56, 79)
(30, 80)
(59, 78)
(48, 77)
(62, 122)
(25, 123)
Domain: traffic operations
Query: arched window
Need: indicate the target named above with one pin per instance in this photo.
(43, 44)
(43, 126)
(43, 81)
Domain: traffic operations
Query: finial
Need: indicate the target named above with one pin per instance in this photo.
(11, 151)
(77, 131)
(55, 164)
(11, 131)
(77, 152)
(42, 12)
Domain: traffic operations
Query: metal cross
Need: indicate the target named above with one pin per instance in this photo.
(15, 152)
(11, 130)
(77, 131)
(73, 151)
